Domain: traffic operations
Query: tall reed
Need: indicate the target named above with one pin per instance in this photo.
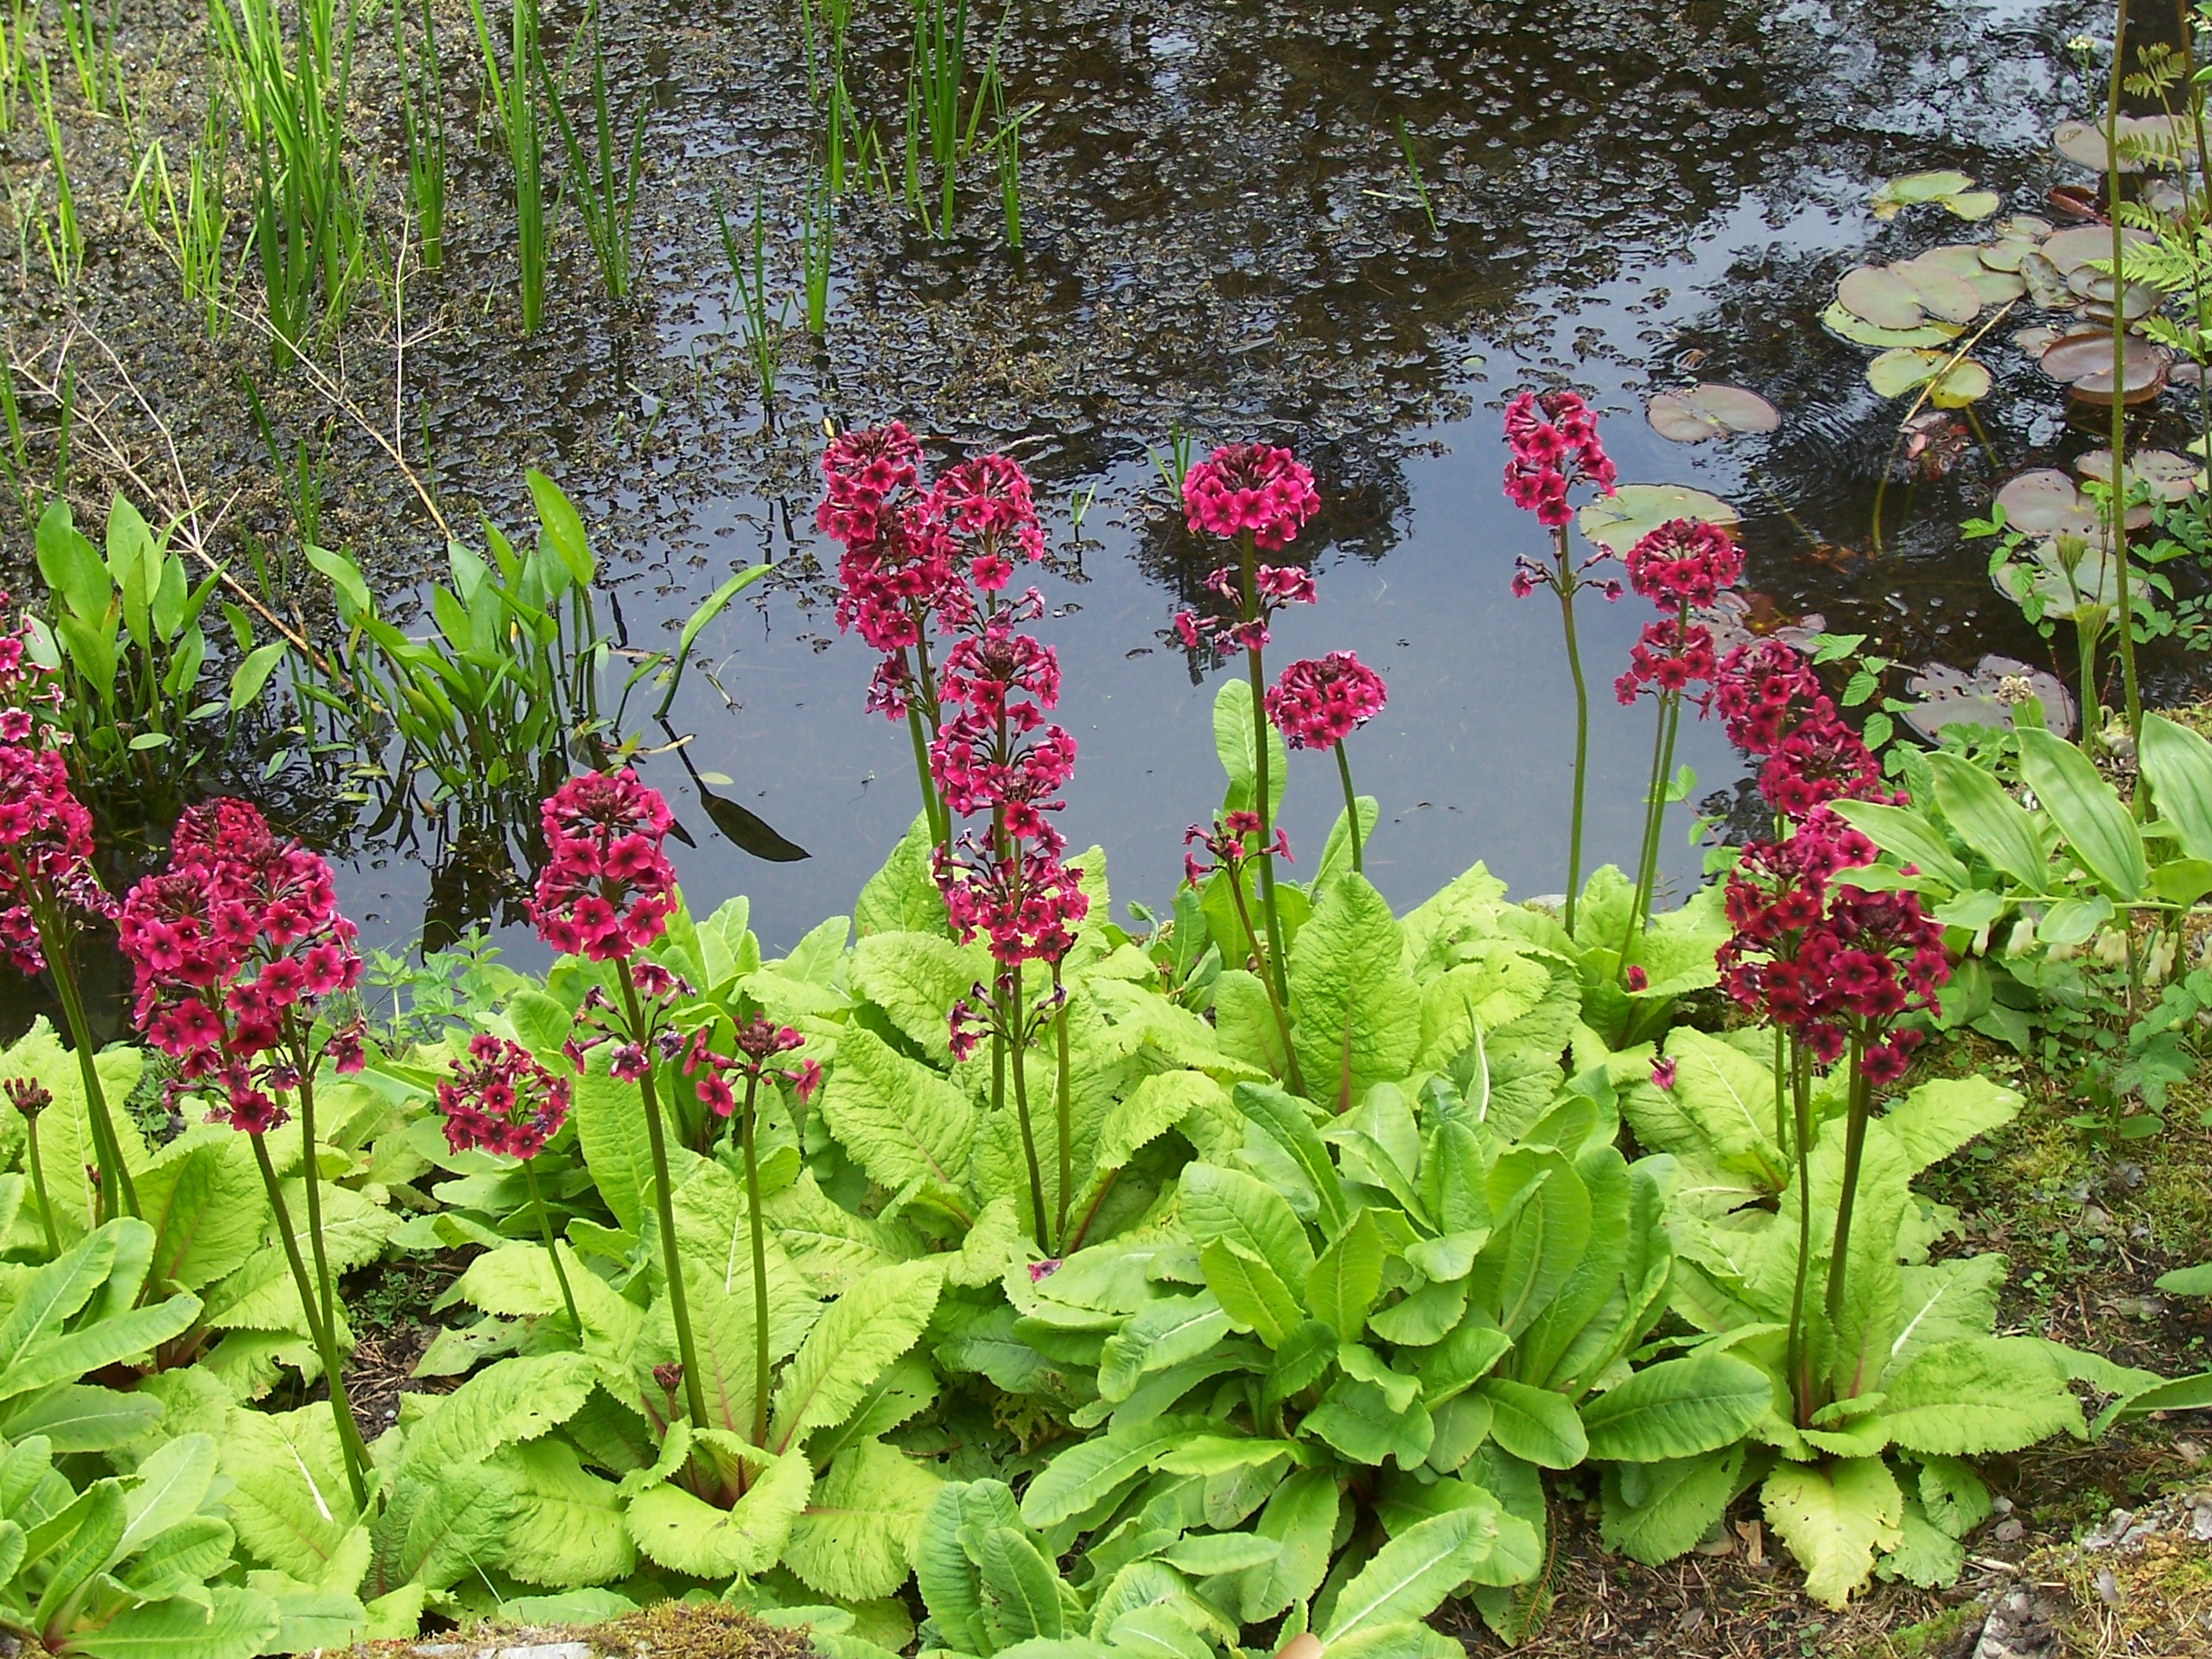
(763, 335)
(603, 178)
(514, 96)
(64, 237)
(422, 123)
(92, 50)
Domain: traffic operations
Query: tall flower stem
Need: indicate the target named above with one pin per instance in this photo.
(1267, 983)
(313, 1178)
(1654, 819)
(748, 1128)
(1351, 808)
(1854, 1147)
(552, 1252)
(107, 1147)
(353, 1453)
(695, 1394)
(1262, 803)
(38, 1186)
(2120, 402)
(932, 808)
(1063, 1109)
(1566, 586)
(1016, 1017)
(1800, 1094)
(933, 799)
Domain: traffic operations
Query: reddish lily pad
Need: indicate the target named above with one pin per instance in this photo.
(2171, 476)
(1986, 697)
(1710, 411)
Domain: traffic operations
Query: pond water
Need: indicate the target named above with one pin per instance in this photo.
(1221, 234)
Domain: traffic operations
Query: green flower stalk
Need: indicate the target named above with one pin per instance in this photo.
(30, 1097)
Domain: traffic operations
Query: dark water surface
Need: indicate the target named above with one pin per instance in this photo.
(1221, 234)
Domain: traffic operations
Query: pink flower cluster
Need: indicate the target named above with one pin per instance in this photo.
(1554, 440)
(607, 889)
(1319, 702)
(1225, 844)
(1670, 655)
(1775, 711)
(1252, 489)
(46, 847)
(1825, 961)
(1273, 587)
(1684, 562)
(757, 1042)
(498, 1098)
(232, 948)
(1024, 905)
(995, 751)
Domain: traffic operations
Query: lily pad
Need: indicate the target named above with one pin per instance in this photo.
(2005, 253)
(2153, 140)
(1951, 697)
(2026, 226)
(2035, 339)
(1879, 295)
(2171, 476)
(1896, 372)
(2162, 195)
(1944, 294)
(1618, 521)
(2137, 299)
(1738, 618)
(1972, 204)
(1841, 323)
(2066, 588)
(2071, 250)
(2083, 362)
(2046, 503)
(1914, 188)
(1710, 411)
(2046, 283)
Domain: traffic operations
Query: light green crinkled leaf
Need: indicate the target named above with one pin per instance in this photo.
(80, 1417)
(1156, 1632)
(236, 1623)
(721, 1306)
(395, 1616)
(1455, 1363)
(171, 1484)
(1678, 1408)
(1244, 1022)
(567, 1526)
(867, 1328)
(203, 1197)
(900, 1120)
(915, 978)
(1982, 1394)
(993, 1243)
(1249, 1291)
(1924, 1554)
(1154, 1107)
(1835, 1517)
(437, 1527)
(1233, 726)
(1535, 1425)
(1205, 1555)
(856, 1537)
(902, 897)
(65, 1139)
(1465, 907)
(611, 1130)
(1945, 1302)
(1083, 1477)
(1940, 1116)
(1718, 1113)
(1410, 1576)
(514, 1401)
(828, 1244)
(1359, 1013)
(517, 1281)
(1953, 1495)
(689, 1535)
(1470, 997)
(1228, 1203)
(1656, 1511)
(1020, 1591)
(310, 1618)
(1535, 1251)
(1408, 1639)
(289, 1500)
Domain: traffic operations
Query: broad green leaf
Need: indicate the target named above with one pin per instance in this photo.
(856, 1537)
(2178, 763)
(235, 1624)
(1228, 1203)
(1165, 1332)
(1357, 1418)
(1656, 1511)
(1978, 1395)
(1359, 1019)
(1835, 1517)
(1084, 1475)
(1410, 1576)
(1282, 1117)
(1154, 1106)
(561, 525)
(1945, 1301)
(441, 1525)
(915, 978)
(866, 1329)
(1537, 1249)
(1462, 1358)
(1678, 1408)
(79, 1417)
(611, 1131)
(681, 1531)
(2087, 811)
(1301, 1518)
(289, 1500)
(1990, 821)
(1535, 1425)
(1718, 1113)
(1249, 1291)
(1908, 837)
(1941, 1115)
(513, 1401)
(204, 1199)
(171, 1484)
(1346, 1277)
(1232, 744)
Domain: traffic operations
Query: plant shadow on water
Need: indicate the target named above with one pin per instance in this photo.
(1349, 230)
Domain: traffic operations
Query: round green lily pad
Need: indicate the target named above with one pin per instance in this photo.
(1618, 522)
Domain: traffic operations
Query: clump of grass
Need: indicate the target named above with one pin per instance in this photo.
(64, 238)
(423, 123)
(761, 334)
(602, 176)
(515, 101)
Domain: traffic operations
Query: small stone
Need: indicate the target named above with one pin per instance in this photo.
(1690, 1619)
(2188, 1451)
(2009, 1531)
(2200, 1524)
(2108, 1588)
(2000, 1504)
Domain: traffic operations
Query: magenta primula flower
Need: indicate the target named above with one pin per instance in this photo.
(1024, 906)
(46, 848)
(758, 1042)
(1684, 562)
(498, 1098)
(1251, 488)
(1319, 702)
(607, 890)
(1554, 440)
